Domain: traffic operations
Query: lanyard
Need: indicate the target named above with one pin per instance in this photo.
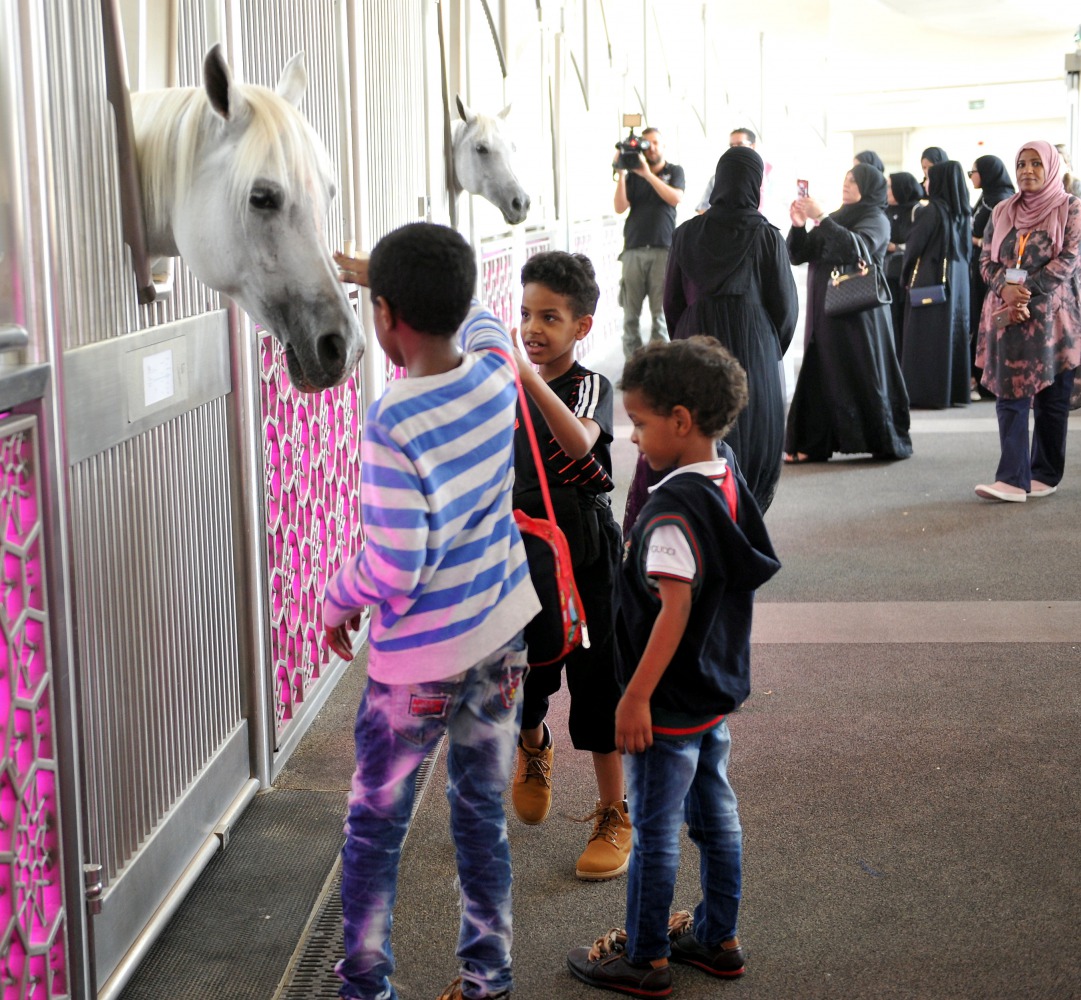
(1022, 239)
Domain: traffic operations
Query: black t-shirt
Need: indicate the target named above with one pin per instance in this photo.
(587, 395)
(579, 487)
(651, 220)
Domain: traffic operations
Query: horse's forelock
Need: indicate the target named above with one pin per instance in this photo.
(279, 145)
(482, 128)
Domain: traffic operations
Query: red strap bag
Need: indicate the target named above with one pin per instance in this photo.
(560, 625)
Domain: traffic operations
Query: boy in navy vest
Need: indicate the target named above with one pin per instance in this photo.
(684, 597)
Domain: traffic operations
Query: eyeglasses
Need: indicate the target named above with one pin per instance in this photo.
(971, 172)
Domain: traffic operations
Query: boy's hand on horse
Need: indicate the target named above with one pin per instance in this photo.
(352, 269)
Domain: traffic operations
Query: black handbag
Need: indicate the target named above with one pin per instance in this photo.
(927, 295)
(854, 288)
(894, 265)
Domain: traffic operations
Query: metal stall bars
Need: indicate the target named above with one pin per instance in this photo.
(33, 918)
(146, 490)
(310, 443)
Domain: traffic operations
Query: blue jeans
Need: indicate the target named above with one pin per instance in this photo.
(1046, 460)
(397, 725)
(673, 781)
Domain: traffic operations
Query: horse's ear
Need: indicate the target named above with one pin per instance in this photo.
(466, 115)
(224, 98)
(503, 114)
(294, 80)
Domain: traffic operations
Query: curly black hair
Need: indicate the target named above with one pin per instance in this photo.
(697, 373)
(426, 273)
(569, 274)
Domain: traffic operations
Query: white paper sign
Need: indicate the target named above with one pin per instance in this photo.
(157, 377)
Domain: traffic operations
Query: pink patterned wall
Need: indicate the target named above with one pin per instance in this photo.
(32, 928)
(311, 461)
(499, 280)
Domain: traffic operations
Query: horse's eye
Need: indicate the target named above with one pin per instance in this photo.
(481, 148)
(265, 199)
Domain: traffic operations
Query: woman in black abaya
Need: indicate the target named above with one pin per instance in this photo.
(850, 396)
(904, 195)
(729, 277)
(935, 358)
(990, 177)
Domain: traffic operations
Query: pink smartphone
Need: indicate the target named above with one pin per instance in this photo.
(802, 189)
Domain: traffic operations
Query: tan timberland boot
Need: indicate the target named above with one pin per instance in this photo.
(609, 849)
(531, 791)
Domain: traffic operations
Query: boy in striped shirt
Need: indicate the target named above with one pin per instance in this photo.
(444, 571)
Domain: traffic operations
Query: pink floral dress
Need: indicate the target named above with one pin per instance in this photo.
(1020, 360)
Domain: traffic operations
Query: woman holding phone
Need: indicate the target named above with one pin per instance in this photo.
(1030, 325)
(850, 396)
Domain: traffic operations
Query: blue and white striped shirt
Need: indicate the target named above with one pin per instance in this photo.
(443, 566)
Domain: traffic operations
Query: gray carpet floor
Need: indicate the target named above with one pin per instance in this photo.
(907, 765)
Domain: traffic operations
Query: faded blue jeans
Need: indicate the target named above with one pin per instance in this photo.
(397, 725)
(673, 781)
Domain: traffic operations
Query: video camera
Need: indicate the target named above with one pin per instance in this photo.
(630, 147)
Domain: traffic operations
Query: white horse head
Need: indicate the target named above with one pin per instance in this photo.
(236, 181)
(482, 155)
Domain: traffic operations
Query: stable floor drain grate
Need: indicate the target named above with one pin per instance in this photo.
(310, 975)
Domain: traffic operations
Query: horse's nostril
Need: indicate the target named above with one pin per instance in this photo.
(332, 351)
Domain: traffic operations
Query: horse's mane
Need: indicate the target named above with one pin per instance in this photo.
(172, 126)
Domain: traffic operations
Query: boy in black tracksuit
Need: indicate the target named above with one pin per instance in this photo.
(572, 413)
(694, 559)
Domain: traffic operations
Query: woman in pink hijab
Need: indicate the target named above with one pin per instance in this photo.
(1030, 326)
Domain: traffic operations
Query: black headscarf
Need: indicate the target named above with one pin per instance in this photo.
(995, 183)
(737, 186)
(872, 186)
(713, 246)
(936, 154)
(871, 158)
(949, 194)
(906, 189)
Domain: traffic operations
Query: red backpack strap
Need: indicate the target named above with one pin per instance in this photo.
(730, 491)
(527, 419)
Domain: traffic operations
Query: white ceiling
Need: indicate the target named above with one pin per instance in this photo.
(992, 17)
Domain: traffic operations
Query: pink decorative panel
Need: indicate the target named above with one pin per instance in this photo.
(32, 929)
(311, 464)
(500, 282)
(540, 244)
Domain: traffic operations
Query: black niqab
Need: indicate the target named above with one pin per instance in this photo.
(949, 195)
(715, 244)
(737, 185)
(995, 183)
(906, 189)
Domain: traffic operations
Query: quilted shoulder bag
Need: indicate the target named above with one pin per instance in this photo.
(854, 288)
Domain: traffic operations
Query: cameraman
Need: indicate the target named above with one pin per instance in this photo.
(651, 191)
